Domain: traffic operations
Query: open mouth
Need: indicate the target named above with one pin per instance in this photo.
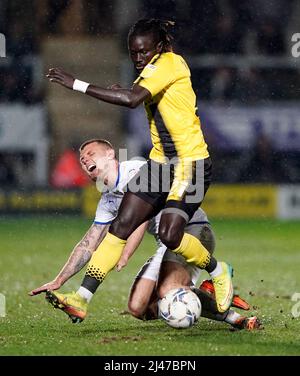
(91, 167)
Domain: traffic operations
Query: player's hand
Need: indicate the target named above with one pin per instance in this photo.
(61, 77)
(53, 285)
(121, 264)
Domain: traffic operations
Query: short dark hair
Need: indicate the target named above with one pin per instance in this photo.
(159, 29)
(100, 141)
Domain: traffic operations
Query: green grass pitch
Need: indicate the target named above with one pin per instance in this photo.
(265, 255)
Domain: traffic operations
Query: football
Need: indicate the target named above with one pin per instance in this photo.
(180, 308)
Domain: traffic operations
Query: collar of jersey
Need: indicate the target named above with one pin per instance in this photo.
(153, 60)
(155, 57)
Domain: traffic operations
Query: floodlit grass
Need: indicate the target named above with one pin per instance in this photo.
(265, 255)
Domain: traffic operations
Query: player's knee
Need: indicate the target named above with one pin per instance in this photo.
(162, 290)
(121, 227)
(170, 236)
(136, 309)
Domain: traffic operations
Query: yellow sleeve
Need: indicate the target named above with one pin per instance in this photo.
(157, 76)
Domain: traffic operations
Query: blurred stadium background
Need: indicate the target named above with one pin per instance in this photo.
(245, 77)
(247, 83)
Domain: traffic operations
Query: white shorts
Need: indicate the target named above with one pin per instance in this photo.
(150, 270)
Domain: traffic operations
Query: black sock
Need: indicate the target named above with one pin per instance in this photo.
(90, 283)
(212, 265)
(209, 306)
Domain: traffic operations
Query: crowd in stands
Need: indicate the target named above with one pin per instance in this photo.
(215, 27)
(223, 27)
(232, 27)
(17, 71)
(240, 28)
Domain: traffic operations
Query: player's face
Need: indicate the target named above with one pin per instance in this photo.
(94, 161)
(142, 48)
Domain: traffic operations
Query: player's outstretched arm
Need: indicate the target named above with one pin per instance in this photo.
(132, 244)
(79, 257)
(115, 95)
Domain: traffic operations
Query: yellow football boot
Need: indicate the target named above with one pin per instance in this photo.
(223, 288)
(72, 304)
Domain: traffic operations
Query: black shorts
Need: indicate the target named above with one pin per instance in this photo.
(179, 187)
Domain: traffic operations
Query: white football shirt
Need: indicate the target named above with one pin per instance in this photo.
(111, 199)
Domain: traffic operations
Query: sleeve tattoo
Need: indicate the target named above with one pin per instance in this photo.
(83, 251)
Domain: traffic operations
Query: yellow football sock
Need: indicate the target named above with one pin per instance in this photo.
(106, 257)
(193, 251)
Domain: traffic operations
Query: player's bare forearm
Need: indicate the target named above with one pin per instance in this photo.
(120, 97)
(115, 94)
(132, 244)
(82, 252)
(79, 257)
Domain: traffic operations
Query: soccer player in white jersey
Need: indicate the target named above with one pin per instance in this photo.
(164, 271)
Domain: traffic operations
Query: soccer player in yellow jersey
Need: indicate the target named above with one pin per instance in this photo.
(178, 172)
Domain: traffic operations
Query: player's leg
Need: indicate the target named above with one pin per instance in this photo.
(141, 298)
(195, 252)
(172, 275)
(237, 302)
(135, 209)
(133, 212)
(143, 295)
(175, 272)
(142, 301)
(191, 180)
(236, 320)
(206, 235)
(175, 275)
(180, 207)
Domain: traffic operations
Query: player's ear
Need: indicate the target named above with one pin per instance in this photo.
(111, 153)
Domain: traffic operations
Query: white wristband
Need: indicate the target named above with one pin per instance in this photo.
(80, 86)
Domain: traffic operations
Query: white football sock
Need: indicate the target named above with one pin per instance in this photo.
(85, 293)
(217, 271)
(232, 317)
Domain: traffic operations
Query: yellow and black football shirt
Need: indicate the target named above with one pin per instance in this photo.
(174, 126)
